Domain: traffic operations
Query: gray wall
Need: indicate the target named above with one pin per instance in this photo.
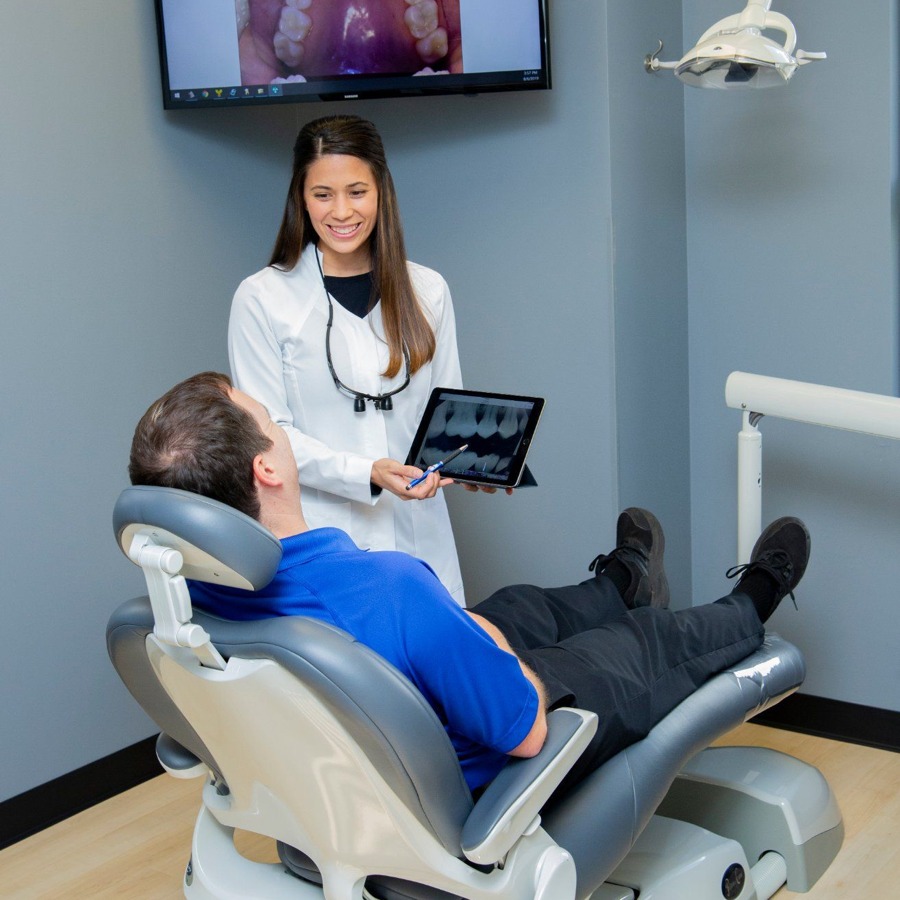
(124, 232)
(792, 259)
(528, 257)
(650, 279)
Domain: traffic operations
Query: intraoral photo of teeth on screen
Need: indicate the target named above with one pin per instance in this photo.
(492, 431)
(299, 39)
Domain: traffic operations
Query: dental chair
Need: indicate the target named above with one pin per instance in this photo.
(305, 735)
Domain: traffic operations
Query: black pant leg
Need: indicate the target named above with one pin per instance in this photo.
(532, 617)
(635, 670)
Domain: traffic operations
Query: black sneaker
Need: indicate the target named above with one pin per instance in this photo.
(776, 565)
(636, 565)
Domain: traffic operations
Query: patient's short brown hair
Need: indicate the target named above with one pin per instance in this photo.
(196, 438)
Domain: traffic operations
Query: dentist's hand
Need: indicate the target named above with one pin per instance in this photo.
(486, 489)
(394, 476)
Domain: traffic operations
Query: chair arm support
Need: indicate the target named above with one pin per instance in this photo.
(513, 800)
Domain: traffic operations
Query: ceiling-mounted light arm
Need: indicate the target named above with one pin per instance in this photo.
(652, 62)
(758, 16)
(735, 53)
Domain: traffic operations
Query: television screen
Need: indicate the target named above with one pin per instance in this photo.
(240, 52)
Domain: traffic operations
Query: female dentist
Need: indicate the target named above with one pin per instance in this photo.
(343, 340)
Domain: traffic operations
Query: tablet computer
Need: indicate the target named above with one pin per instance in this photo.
(496, 430)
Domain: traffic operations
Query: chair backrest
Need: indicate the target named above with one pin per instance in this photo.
(304, 722)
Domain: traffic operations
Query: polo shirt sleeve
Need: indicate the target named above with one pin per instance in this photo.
(476, 688)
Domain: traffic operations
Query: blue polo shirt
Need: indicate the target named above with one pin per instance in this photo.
(396, 605)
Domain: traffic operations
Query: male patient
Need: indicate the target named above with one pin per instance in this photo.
(607, 644)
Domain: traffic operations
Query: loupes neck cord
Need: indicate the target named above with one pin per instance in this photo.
(380, 401)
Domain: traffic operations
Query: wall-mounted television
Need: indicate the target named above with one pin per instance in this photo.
(243, 52)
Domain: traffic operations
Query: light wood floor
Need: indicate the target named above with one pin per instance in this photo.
(136, 845)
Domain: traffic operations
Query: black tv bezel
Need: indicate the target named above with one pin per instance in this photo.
(368, 87)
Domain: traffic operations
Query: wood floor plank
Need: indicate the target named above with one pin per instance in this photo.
(136, 845)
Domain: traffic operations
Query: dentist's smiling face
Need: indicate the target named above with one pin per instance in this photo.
(341, 197)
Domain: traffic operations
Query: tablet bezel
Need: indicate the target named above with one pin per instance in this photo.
(517, 465)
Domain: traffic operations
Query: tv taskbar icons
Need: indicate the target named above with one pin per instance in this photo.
(242, 92)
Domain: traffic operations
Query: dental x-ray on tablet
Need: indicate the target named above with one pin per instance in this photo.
(488, 436)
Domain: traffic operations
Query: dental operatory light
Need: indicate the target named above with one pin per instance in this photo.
(735, 54)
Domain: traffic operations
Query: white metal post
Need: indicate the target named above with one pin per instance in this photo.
(749, 478)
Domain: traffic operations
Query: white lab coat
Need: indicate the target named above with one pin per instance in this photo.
(276, 340)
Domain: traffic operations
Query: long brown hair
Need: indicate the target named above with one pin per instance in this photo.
(405, 323)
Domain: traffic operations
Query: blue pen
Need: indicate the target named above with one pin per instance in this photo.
(436, 467)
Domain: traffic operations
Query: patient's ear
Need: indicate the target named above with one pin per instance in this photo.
(264, 471)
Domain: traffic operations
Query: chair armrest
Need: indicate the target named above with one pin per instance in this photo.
(513, 800)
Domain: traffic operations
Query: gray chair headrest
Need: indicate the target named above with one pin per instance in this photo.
(219, 544)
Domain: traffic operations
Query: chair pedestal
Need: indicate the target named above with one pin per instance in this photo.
(737, 823)
(679, 861)
(217, 871)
